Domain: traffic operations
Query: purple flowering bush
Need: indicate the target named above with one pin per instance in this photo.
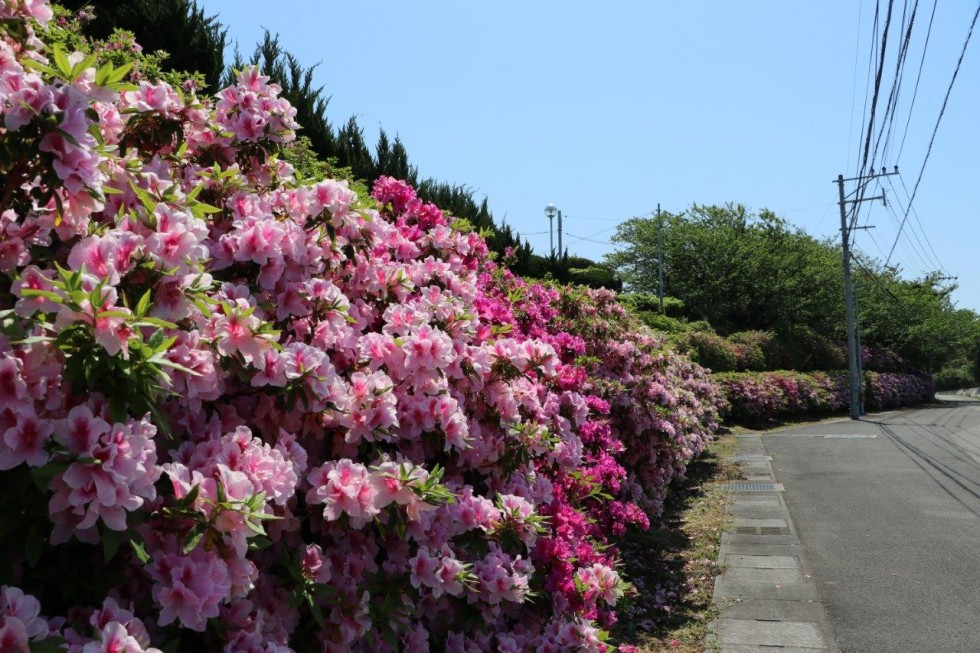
(893, 389)
(755, 396)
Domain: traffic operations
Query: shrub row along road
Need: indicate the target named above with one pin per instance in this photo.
(888, 511)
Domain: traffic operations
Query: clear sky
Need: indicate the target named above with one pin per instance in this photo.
(607, 112)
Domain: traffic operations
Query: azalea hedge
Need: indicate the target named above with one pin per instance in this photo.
(893, 390)
(244, 411)
(758, 396)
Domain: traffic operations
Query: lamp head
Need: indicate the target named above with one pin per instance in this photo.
(551, 210)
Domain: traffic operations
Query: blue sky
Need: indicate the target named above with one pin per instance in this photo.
(608, 112)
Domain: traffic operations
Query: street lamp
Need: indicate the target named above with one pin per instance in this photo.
(551, 211)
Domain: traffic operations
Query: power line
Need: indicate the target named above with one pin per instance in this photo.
(937, 263)
(949, 90)
(868, 77)
(585, 238)
(888, 121)
(918, 77)
(877, 86)
(857, 48)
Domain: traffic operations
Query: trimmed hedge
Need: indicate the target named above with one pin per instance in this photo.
(754, 396)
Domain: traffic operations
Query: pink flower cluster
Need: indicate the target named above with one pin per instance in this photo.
(268, 415)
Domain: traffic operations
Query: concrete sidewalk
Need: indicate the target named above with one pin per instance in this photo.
(766, 595)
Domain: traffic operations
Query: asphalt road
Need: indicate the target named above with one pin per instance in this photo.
(890, 524)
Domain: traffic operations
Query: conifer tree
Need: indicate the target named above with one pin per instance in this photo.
(195, 41)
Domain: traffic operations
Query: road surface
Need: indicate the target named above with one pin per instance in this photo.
(888, 511)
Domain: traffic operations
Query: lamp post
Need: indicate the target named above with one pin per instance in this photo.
(551, 211)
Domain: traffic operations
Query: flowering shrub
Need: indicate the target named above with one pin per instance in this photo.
(766, 395)
(661, 408)
(892, 390)
(756, 396)
(757, 350)
(245, 412)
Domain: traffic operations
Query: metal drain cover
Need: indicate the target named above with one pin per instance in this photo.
(754, 487)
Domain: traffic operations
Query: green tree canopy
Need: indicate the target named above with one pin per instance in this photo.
(738, 270)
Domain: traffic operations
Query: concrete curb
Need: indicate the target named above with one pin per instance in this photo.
(967, 392)
(766, 595)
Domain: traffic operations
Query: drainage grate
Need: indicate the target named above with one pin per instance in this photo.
(754, 487)
(750, 458)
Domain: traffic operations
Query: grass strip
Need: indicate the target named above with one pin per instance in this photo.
(673, 565)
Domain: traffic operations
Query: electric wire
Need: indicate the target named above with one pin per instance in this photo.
(857, 51)
(891, 108)
(918, 78)
(937, 262)
(877, 85)
(932, 139)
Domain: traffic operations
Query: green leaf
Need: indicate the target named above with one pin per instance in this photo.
(33, 339)
(82, 66)
(143, 305)
(117, 408)
(53, 644)
(201, 207)
(47, 294)
(155, 321)
(139, 550)
(41, 476)
(190, 497)
(259, 543)
(39, 67)
(159, 360)
(119, 73)
(145, 199)
(317, 613)
(61, 62)
(111, 313)
(194, 536)
(110, 543)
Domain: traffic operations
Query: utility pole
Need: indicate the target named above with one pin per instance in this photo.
(857, 337)
(561, 252)
(660, 256)
(853, 353)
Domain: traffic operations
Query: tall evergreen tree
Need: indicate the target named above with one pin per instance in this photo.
(195, 41)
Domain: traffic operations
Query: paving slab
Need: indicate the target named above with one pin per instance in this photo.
(740, 648)
(728, 549)
(743, 539)
(773, 591)
(761, 561)
(779, 576)
(812, 611)
(758, 511)
(752, 522)
(754, 632)
(749, 500)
